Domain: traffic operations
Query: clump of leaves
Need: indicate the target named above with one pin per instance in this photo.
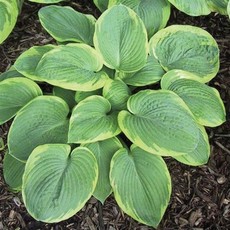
(66, 147)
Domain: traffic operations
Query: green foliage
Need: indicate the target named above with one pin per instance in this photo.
(102, 84)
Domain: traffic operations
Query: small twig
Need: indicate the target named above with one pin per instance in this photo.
(222, 135)
(222, 147)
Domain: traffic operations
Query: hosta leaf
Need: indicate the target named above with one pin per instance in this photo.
(201, 153)
(187, 48)
(14, 94)
(141, 184)
(41, 121)
(11, 73)
(47, 1)
(67, 95)
(81, 95)
(117, 93)
(9, 10)
(27, 62)
(101, 4)
(104, 151)
(176, 74)
(92, 120)
(159, 122)
(57, 183)
(204, 101)
(74, 67)
(154, 13)
(149, 74)
(218, 6)
(66, 24)
(121, 38)
(228, 9)
(192, 8)
(13, 170)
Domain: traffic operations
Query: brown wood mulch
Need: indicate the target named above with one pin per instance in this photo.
(201, 195)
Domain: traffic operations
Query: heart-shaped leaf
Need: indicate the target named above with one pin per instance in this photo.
(66, 24)
(141, 184)
(27, 62)
(14, 94)
(204, 101)
(57, 183)
(104, 151)
(201, 153)
(117, 93)
(121, 38)
(151, 73)
(186, 48)
(13, 170)
(192, 8)
(74, 67)
(92, 120)
(43, 120)
(159, 122)
(154, 13)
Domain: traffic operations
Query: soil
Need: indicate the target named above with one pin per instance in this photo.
(201, 195)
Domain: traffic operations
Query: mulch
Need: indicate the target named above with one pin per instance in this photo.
(201, 195)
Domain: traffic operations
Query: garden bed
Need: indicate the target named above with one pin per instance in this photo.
(201, 195)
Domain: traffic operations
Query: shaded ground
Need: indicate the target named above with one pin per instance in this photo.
(201, 195)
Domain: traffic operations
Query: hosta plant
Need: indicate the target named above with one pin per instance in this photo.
(97, 113)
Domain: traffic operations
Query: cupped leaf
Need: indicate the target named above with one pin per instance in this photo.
(66, 24)
(13, 170)
(176, 74)
(14, 94)
(154, 13)
(203, 101)
(9, 10)
(159, 122)
(102, 5)
(186, 48)
(121, 38)
(104, 151)
(151, 73)
(74, 67)
(141, 184)
(57, 183)
(218, 6)
(192, 8)
(41, 121)
(201, 153)
(27, 62)
(92, 120)
(67, 95)
(117, 93)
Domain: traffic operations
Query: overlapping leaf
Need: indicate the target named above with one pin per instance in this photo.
(74, 67)
(43, 120)
(101, 4)
(218, 6)
(187, 48)
(160, 123)
(141, 184)
(154, 13)
(103, 151)
(121, 38)
(66, 24)
(57, 183)
(27, 62)
(204, 101)
(92, 120)
(14, 94)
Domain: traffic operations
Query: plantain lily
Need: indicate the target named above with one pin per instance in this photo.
(66, 147)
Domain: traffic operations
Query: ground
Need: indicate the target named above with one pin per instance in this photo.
(201, 195)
